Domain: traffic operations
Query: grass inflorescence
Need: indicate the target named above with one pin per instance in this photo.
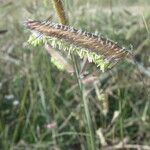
(97, 49)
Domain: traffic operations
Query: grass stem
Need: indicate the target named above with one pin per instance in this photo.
(58, 6)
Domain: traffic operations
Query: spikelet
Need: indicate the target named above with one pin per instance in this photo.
(92, 44)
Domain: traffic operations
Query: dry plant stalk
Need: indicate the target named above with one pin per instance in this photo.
(97, 44)
(58, 6)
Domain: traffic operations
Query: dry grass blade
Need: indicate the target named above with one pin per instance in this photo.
(56, 55)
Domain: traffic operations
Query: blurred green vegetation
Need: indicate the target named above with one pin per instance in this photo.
(41, 107)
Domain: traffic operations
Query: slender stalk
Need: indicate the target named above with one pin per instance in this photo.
(58, 6)
(89, 128)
